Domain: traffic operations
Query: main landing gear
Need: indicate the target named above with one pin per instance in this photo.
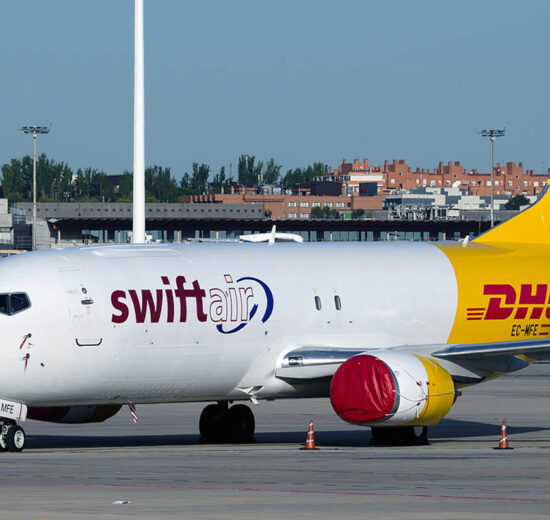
(404, 436)
(220, 423)
(12, 437)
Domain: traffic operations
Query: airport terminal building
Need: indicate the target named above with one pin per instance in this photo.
(75, 223)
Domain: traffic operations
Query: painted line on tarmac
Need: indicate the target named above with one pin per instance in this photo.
(265, 490)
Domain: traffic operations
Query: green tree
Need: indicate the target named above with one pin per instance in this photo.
(325, 213)
(272, 172)
(52, 179)
(516, 202)
(220, 181)
(17, 179)
(160, 185)
(307, 174)
(198, 182)
(250, 171)
(126, 187)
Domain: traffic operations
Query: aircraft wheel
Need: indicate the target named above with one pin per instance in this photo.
(241, 423)
(211, 423)
(419, 435)
(3, 442)
(404, 436)
(15, 439)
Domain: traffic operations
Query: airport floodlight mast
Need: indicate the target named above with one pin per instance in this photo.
(492, 135)
(138, 226)
(34, 130)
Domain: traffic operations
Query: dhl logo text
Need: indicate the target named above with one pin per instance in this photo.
(531, 302)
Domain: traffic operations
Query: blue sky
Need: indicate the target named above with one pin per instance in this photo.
(300, 81)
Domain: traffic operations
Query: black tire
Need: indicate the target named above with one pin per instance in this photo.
(419, 435)
(15, 439)
(241, 423)
(210, 423)
(3, 443)
(404, 436)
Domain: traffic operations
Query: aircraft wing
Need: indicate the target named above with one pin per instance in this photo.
(535, 349)
(308, 363)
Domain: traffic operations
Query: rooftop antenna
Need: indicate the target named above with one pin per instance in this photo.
(138, 234)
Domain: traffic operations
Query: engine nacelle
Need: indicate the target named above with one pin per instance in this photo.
(73, 414)
(391, 388)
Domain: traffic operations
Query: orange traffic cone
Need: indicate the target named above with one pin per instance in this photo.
(503, 444)
(310, 441)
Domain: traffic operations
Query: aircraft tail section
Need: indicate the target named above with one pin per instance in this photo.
(531, 226)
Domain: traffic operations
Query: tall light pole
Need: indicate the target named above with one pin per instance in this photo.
(492, 135)
(34, 130)
(138, 227)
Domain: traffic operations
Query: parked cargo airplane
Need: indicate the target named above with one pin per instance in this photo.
(390, 331)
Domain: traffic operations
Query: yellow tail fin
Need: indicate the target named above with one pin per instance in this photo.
(531, 226)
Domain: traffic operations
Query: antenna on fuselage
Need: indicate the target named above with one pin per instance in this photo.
(138, 233)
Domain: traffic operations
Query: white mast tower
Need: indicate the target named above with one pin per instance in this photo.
(138, 233)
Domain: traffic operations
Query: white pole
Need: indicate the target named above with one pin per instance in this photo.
(138, 235)
(492, 185)
(34, 191)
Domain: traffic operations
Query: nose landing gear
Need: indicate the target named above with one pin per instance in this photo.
(220, 423)
(12, 437)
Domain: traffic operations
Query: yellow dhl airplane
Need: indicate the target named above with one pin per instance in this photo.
(389, 331)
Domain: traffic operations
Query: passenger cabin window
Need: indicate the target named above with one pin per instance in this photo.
(337, 303)
(318, 303)
(13, 303)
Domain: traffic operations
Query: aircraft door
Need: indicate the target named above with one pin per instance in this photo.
(84, 310)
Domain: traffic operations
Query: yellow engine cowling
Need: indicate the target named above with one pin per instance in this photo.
(392, 388)
(441, 393)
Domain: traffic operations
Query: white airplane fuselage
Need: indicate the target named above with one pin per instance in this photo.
(200, 322)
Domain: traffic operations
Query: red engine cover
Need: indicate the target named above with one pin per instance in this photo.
(363, 390)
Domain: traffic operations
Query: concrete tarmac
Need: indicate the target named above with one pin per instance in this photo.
(78, 471)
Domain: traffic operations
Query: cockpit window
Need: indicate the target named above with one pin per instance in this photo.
(4, 304)
(19, 302)
(13, 303)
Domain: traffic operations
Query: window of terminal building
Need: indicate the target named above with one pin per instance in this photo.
(304, 204)
(304, 215)
(328, 204)
(340, 205)
(392, 181)
(292, 204)
(292, 215)
(318, 303)
(337, 303)
(315, 204)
